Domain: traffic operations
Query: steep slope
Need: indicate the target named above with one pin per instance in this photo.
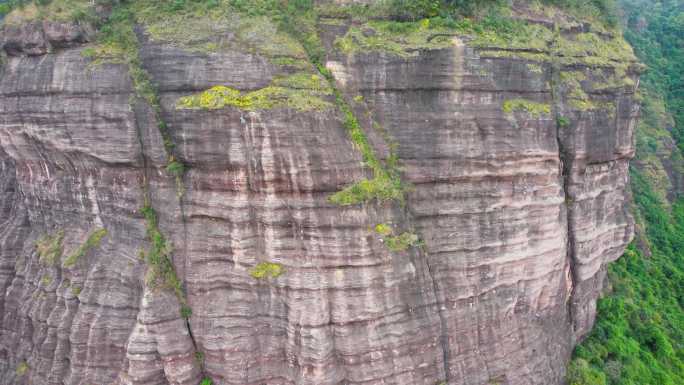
(203, 192)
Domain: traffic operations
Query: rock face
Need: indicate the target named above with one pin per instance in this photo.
(518, 213)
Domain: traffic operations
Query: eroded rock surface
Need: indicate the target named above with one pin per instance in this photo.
(518, 214)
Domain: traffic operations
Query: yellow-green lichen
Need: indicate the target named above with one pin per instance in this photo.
(383, 229)
(46, 280)
(76, 290)
(93, 241)
(301, 92)
(266, 270)
(22, 369)
(535, 109)
(50, 248)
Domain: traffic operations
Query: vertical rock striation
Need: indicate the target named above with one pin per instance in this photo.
(517, 165)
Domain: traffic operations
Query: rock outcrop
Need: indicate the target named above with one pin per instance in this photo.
(516, 165)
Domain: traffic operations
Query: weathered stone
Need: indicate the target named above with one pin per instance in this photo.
(39, 38)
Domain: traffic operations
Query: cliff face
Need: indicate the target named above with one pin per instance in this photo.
(516, 164)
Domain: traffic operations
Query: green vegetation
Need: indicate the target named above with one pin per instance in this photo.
(522, 105)
(185, 311)
(207, 381)
(266, 270)
(579, 100)
(255, 26)
(562, 121)
(23, 11)
(602, 11)
(161, 272)
(655, 31)
(489, 27)
(301, 91)
(581, 373)
(93, 241)
(408, 38)
(46, 280)
(639, 334)
(50, 248)
(386, 184)
(22, 368)
(401, 242)
(76, 290)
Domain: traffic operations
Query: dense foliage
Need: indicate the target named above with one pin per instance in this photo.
(656, 31)
(398, 9)
(639, 335)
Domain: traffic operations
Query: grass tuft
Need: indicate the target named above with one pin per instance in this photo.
(161, 272)
(401, 242)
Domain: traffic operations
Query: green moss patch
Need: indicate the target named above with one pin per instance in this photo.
(22, 369)
(399, 38)
(46, 280)
(534, 109)
(76, 290)
(161, 272)
(266, 270)
(380, 188)
(93, 241)
(263, 99)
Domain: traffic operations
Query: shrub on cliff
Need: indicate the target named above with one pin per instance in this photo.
(581, 373)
